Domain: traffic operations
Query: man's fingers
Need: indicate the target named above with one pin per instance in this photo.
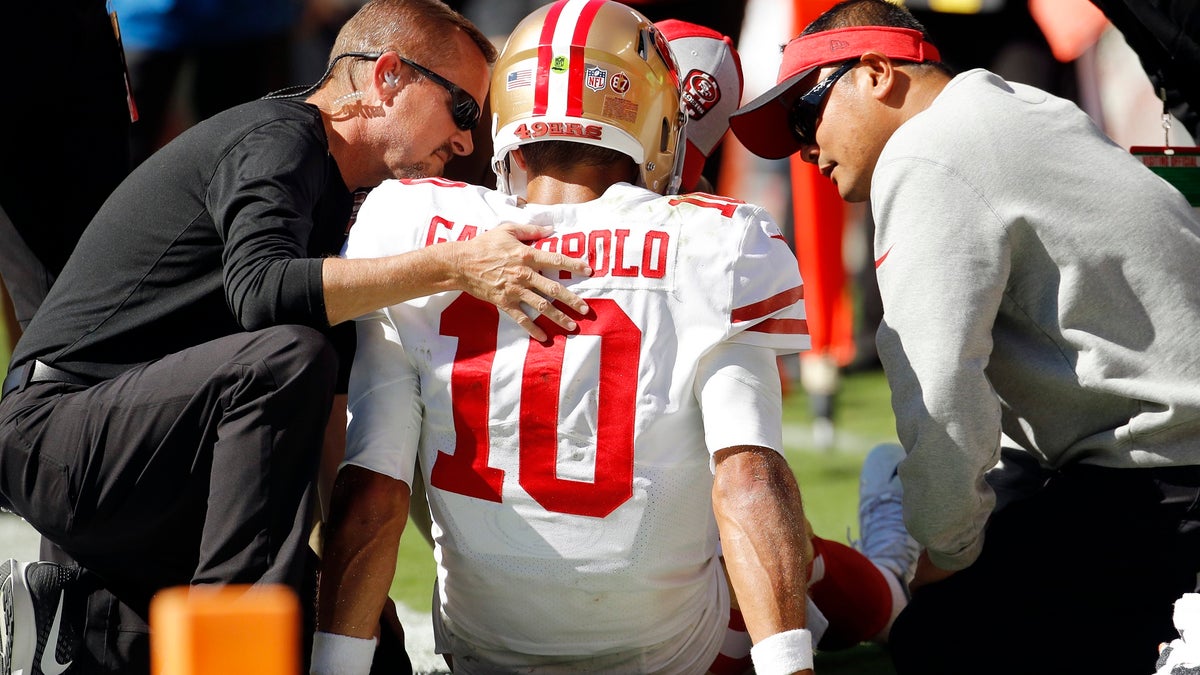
(555, 291)
(527, 323)
(544, 307)
(537, 258)
(525, 231)
(544, 260)
(559, 317)
(541, 306)
(524, 278)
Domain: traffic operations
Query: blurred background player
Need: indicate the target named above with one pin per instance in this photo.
(38, 226)
(191, 59)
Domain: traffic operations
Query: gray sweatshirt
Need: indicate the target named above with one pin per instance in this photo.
(1038, 281)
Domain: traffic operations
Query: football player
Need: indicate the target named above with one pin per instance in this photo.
(581, 489)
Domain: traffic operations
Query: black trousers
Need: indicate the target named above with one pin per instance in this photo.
(194, 469)
(1081, 577)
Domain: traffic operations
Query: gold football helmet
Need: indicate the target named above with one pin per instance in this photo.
(590, 71)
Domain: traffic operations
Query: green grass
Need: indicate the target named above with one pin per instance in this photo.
(828, 480)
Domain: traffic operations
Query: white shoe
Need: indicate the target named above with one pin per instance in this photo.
(34, 638)
(882, 536)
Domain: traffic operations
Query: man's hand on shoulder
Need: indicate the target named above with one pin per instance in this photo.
(500, 267)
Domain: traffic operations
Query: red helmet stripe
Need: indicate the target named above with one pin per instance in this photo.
(541, 92)
(578, 64)
(576, 67)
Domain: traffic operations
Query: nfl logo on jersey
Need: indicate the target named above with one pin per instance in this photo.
(596, 78)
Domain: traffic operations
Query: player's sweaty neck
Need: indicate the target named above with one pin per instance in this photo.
(576, 184)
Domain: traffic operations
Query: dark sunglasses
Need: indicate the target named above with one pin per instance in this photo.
(463, 107)
(807, 109)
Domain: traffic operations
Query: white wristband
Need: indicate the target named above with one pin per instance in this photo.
(783, 653)
(335, 654)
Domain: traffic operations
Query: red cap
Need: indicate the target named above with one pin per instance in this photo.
(762, 124)
(710, 74)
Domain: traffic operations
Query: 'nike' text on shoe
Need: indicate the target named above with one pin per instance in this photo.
(34, 640)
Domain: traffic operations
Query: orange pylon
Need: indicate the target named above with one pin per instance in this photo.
(226, 630)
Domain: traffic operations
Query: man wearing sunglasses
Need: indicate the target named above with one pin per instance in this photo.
(1040, 294)
(164, 412)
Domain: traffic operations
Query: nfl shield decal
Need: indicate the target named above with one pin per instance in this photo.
(595, 78)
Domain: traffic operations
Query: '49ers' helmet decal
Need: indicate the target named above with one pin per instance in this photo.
(590, 71)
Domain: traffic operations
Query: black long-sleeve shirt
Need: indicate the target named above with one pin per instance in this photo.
(221, 231)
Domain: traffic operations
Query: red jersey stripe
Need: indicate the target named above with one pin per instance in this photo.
(780, 326)
(771, 304)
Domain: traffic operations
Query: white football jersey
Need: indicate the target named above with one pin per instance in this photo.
(570, 481)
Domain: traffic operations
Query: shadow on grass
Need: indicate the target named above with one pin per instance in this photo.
(865, 659)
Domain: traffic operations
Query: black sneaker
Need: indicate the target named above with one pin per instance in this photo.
(34, 639)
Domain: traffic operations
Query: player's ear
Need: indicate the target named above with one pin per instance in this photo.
(519, 158)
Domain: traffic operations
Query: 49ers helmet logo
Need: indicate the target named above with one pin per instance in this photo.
(700, 93)
(566, 129)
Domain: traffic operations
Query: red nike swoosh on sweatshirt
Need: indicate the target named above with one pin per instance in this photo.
(880, 259)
